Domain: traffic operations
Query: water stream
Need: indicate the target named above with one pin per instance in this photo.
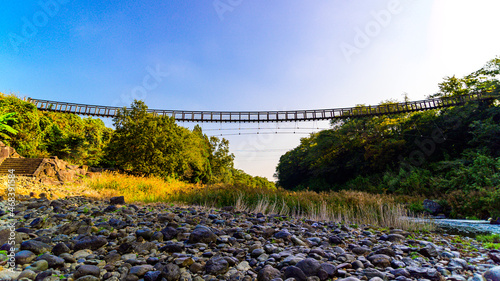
(469, 228)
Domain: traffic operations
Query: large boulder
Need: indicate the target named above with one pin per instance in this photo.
(433, 207)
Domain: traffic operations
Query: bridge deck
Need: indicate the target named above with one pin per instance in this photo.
(265, 116)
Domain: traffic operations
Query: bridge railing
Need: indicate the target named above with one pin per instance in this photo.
(266, 116)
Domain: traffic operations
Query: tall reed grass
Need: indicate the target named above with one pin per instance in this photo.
(351, 207)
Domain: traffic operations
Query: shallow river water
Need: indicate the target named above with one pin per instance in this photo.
(469, 228)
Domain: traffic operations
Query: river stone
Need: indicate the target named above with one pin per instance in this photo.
(385, 251)
(372, 272)
(243, 266)
(24, 257)
(70, 227)
(90, 242)
(86, 269)
(81, 254)
(171, 272)
(169, 233)
(283, 234)
(476, 277)
(53, 261)
(429, 251)
(112, 257)
(395, 238)
(145, 233)
(268, 273)
(335, 240)
(217, 266)
(309, 266)
(7, 275)
(152, 276)
(172, 247)
(36, 247)
(492, 274)
(425, 272)
(330, 269)
(27, 273)
(296, 273)
(202, 234)
(348, 279)
(400, 272)
(60, 248)
(359, 251)
(380, 260)
(118, 200)
(40, 265)
(140, 270)
(88, 278)
(116, 223)
(5, 236)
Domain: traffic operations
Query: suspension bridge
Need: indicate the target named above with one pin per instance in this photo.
(267, 116)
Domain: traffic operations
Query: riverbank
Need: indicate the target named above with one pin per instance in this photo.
(80, 238)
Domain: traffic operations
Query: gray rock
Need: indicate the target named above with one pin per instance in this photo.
(395, 237)
(90, 242)
(118, 200)
(40, 265)
(429, 251)
(309, 266)
(202, 234)
(372, 272)
(400, 272)
(476, 277)
(217, 266)
(424, 272)
(171, 272)
(359, 251)
(296, 273)
(85, 270)
(268, 273)
(88, 278)
(283, 234)
(173, 247)
(432, 207)
(36, 247)
(330, 269)
(145, 233)
(335, 240)
(53, 261)
(140, 270)
(492, 274)
(7, 275)
(24, 257)
(27, 273)
(380, 260)
(152, 276)
(60, 248)
(348, 279)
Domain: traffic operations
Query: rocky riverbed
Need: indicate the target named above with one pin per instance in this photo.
(82, 239)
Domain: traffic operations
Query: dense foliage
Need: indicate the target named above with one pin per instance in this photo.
(142, 143)
(147, 144)
(44, 134)
(450, 153)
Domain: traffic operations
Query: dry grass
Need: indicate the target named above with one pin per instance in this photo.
(344, 206)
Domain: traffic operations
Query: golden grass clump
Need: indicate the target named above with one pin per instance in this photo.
(351, 207)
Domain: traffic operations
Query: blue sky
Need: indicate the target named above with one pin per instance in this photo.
(242, 55)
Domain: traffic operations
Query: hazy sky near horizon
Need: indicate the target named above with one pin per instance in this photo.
(242, 55)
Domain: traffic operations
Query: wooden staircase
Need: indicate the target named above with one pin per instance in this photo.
(21, 166)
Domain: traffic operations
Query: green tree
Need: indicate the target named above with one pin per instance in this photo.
(5, 127)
